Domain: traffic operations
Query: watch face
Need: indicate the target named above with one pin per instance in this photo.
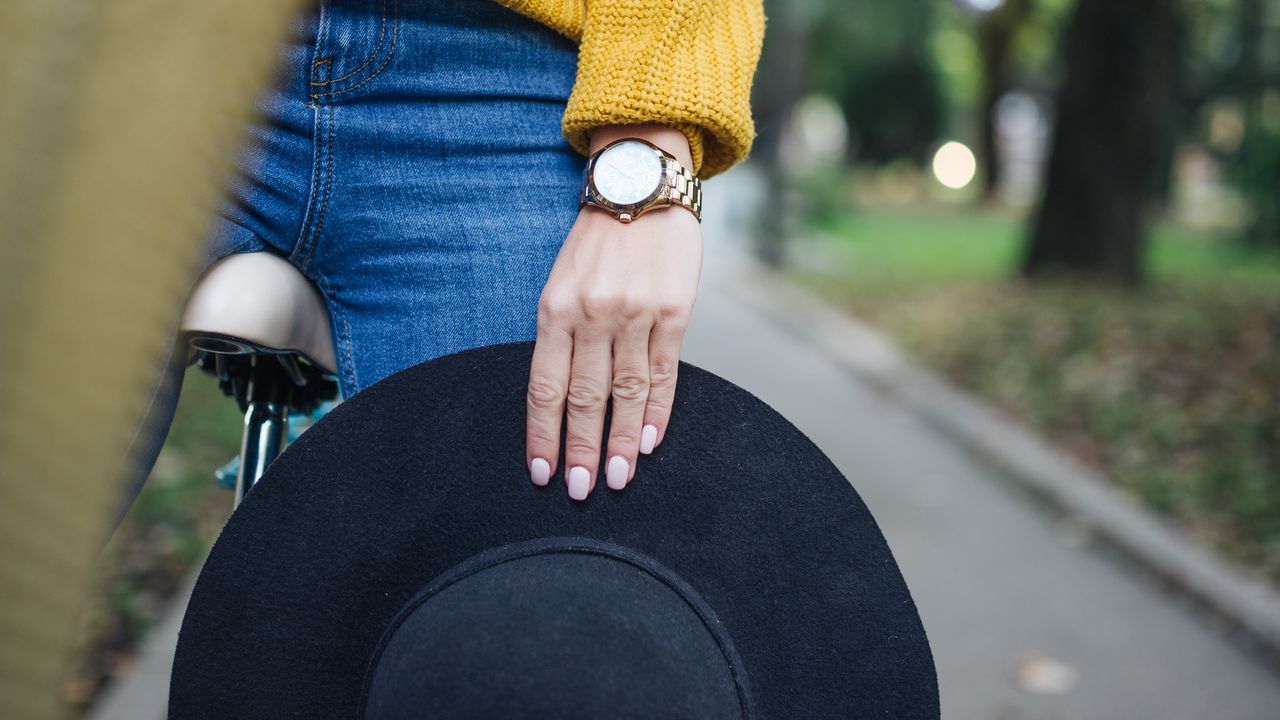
(628, 172)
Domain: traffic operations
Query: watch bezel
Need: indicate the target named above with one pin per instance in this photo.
(626, 212)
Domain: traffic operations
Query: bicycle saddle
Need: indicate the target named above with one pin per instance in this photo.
(259, 303)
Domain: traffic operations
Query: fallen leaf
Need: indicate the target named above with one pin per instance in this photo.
(1038, 673)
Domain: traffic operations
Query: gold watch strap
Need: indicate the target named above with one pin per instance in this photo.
(685, 189)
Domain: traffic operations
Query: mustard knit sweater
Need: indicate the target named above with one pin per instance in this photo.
(684, 63)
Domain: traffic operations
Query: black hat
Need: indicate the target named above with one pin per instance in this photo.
(396, 562)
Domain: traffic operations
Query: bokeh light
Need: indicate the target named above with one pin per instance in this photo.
(954, 165)
(983, 5)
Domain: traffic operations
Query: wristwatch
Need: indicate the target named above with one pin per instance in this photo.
(630, 177)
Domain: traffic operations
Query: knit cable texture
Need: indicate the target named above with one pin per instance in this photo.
(683, 63)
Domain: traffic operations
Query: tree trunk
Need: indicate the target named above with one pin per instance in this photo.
(779, 88)
(1115, 114)
(1252, 21)
(1257, 161)
(996, 35)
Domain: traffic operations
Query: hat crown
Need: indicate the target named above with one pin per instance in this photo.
(557, 628)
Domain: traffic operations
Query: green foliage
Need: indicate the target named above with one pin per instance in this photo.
(822, 194)
(875, 59)
(1212, 46)
(907, 72)
(1258, 176)
(895, 108)
(1231, 70)
(955, 52)
(1037, 42)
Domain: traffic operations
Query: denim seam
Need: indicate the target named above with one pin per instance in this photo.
(377, 50)
(300, 244)
(322, 37)
(347, 364)
(316, 169)
(395, 33)
(319, 52)
(328, 170)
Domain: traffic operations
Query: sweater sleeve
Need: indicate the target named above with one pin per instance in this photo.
(683, 63)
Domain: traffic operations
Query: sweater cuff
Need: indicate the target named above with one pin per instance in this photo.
(683, 63)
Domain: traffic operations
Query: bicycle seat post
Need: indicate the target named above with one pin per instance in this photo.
(266, 421)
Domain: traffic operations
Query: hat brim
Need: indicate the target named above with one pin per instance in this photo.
(425, 469)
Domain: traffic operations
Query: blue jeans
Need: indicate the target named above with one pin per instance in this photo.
(409, 161)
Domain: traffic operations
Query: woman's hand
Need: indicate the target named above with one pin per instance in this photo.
(611, 321)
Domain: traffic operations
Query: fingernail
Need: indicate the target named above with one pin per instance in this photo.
(648, 438)
(579, 483)
(616, 473)
(540, 472)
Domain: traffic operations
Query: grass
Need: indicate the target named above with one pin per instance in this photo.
(1172, 391)
(901, 247)
(167, 532)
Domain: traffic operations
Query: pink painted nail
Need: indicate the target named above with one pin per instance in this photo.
(579, 483)
(648, 438)
(616, 473)
(540, 472)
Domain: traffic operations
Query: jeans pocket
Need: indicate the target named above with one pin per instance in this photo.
(355, 42)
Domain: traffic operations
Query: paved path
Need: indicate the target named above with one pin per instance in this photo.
(995, 579)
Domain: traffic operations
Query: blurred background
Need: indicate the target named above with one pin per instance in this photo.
(1071, 209)
(1067, 209)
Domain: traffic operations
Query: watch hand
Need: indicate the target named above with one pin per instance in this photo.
(618, 168)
